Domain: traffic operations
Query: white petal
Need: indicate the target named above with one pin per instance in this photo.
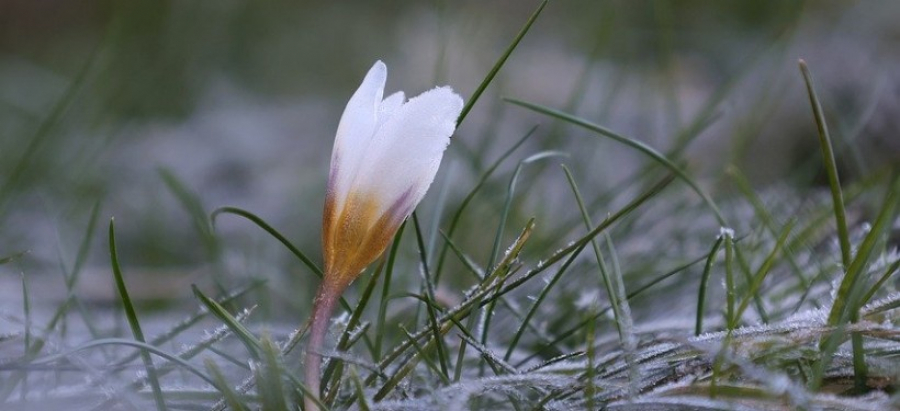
(407, 149)
(355, 131)
(389, 106)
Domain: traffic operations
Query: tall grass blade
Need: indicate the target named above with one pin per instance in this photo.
(830, 164)
(133, 322)
(499, 64)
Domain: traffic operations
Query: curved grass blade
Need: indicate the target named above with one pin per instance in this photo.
(273, 232)
(510, 193)
(142, 346)
(282, 239)
(637, 145)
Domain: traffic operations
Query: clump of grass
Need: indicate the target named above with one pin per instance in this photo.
(585, 308)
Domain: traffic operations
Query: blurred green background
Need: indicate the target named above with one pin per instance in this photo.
(236, 102)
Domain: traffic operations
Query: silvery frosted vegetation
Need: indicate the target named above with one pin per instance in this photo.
(642, 207)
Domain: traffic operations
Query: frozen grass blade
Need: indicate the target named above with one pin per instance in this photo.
(630, 142)
(510, 194)
(830, 166)
(232, 398)
(453, 316)
(269, 381)
(853, 277)
(246, 337)
(704, 280)
(133, 322)
(624, 320)
(850, 297)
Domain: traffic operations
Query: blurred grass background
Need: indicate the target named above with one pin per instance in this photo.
(237, 102)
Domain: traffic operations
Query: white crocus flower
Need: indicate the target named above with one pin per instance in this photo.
(386, 154)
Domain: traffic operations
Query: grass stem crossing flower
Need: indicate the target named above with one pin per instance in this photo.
(386, 154)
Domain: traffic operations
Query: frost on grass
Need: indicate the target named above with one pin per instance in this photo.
(489, 389)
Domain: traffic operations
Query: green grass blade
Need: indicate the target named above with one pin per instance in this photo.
(385, 290)
(273, 232)
(282, 239)
(428, 288)
(878, 284)
(269, 381)
(852, 277)
(608, 283)
(358, 390)
(763, 271)
(454, 221)
(133, 322)
(246, 337)
(194, 206)
(830, 166)
(730, 318)
(499, 64)
(232, 398)
(510, 194)
(704, 280)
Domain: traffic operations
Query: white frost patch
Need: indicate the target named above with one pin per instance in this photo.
(726, 232)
